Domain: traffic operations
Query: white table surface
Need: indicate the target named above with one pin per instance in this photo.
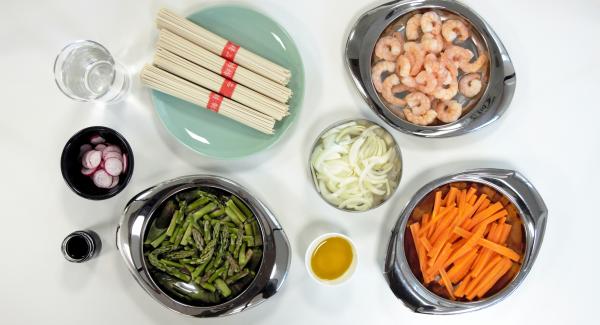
(550, 134)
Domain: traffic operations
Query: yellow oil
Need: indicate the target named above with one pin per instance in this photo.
(332, 258)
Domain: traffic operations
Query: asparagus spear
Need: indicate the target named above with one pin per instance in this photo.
(236, 211)
(208, 286)
(243, 207)
(206, 230)
(197, 236)
(159, 240)
(215, 275)
(237, 276)
(197, 204)
(222, 287)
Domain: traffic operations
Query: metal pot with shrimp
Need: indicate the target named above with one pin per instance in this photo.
(430, 68)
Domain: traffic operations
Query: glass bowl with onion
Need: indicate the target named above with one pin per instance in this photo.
(356, 165)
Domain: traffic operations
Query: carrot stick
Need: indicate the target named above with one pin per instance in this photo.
(441, 259)
(461, 267)
(495, 274)
(437, 246)
(437, 203)
(502, 250)
(480, 216)
(489, 219)
(414, 230)
(484, 205)
(425, 219)
(476, 280)
(504, 234)
(447, 284)
(460, 290)
(425, 244)
(434, 219)
(451, 198)
(443, 225)
(470, 193)
(468, 245)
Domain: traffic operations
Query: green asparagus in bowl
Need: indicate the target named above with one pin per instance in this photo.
(204, 247)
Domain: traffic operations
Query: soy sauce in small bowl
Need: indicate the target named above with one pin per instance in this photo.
(81, 246)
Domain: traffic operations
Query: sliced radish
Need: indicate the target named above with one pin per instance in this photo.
(85, 160)
(111, 154)
(113, 166)
(96, 139)
(93, 158)
(112, 148)
(87, 171)
(85, 148)
(124, 163)
(115, 181)
(100, 147)
(102, 179)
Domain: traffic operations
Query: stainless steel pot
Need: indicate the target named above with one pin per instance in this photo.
(513, 186)
(491, 105)
(141, 209)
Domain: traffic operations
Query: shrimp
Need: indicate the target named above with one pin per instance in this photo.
(477, 65)
(409, 82)
(446, 93)
(458, 55)
(448, 111)
(418, 102)
(388, 90)
(416, 55)
(432, 43)
(426, 82)
(448, 65)
(452, 28)
(403, 66)
(412, 27)
(388, 48)
(424, 119)
(431, 23)
(470, 84)
(378, 69)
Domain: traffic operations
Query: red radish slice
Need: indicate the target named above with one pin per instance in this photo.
(85, 148)
(112, 148)
(111, 154)
(96, 139)
(124, 163)
(100, 147)
(85, 160)
(102, 179)
(115, 181)
(87, 171)
(113, 166)
(94, 158)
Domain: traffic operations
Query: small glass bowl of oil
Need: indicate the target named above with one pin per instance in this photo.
(331, 259)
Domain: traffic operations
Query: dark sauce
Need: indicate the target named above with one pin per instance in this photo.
(78, 247)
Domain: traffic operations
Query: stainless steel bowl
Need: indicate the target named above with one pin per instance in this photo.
(532, 210)
(490, 106)
(395, 180)
(140, 211)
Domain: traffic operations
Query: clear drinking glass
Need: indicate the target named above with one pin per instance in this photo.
(86, 71)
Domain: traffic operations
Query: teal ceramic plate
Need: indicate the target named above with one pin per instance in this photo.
(216, 136)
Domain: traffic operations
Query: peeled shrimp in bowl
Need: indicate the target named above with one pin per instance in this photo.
(430, 67)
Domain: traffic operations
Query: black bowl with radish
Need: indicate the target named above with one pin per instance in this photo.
(97, 163)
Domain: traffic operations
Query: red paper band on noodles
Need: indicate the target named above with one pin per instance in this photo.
(228, 69)
(230, 50)
(227, 88)
(214, 102)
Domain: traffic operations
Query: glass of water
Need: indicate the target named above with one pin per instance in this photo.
(86, 71)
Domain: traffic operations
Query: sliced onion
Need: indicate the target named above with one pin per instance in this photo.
(355, 166)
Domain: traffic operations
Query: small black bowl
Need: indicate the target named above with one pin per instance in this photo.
(70, 163)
